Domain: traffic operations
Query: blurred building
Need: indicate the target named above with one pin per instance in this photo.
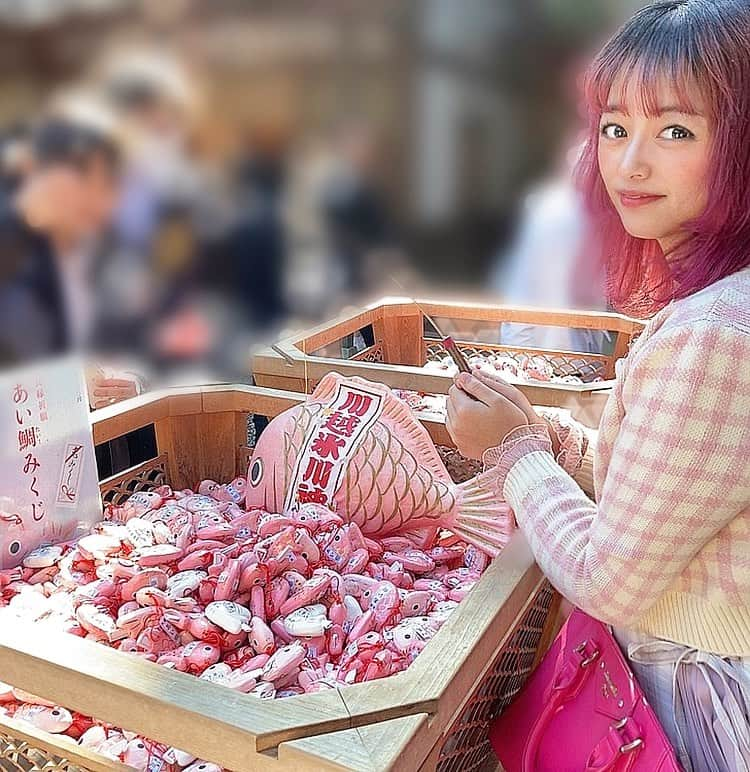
(469, 97)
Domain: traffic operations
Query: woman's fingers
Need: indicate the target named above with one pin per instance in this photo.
(510, 392)
(448, 426)
(462, 413)
(457, 405)
(469, 384)
(495, 382)
(116, 391)
(117, 383)
(475, 426)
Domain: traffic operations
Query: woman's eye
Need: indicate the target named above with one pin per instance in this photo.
(676, 132)
(613, 131)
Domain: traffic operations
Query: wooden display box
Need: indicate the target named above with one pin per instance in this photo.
(404, 342)
(432, 716)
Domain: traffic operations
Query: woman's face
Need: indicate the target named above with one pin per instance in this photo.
(654, 167)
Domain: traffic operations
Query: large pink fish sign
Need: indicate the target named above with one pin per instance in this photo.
(49, 490)
(357, 449)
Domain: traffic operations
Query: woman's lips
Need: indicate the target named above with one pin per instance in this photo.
(632, 199)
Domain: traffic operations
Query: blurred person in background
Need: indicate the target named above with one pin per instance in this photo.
(148, 283)
(357, 221)
(257, 245)
(544, 268)
(155, 104)
(61, 203)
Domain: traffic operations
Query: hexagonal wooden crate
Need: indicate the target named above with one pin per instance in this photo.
(403, 340)
(434, 715)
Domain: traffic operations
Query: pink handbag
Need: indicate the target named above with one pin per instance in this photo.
(582, 711)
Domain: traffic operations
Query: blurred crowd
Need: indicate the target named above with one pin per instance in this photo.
(120, 240)
(126, 235)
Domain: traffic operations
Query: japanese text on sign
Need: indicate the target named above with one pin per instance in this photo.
(29, 438)
(332, 441)
(50, 491)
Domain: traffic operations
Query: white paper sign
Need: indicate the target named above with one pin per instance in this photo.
(331, 441)
(49, 490)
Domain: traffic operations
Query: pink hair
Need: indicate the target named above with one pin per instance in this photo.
(701, 42)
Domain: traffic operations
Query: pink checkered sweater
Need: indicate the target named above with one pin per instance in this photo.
(666, 547)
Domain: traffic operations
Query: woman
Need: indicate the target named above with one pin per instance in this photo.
(664, 553)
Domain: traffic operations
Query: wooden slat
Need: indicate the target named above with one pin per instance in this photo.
(248, 399)
(112, 422)
(167, 442)
(216, 457)
(282, 382)
(124, 417)
(589, 320)
(389, 745)
(198, 447)
(327, 333)
(118, 420)
(401, 337)
(211, 721)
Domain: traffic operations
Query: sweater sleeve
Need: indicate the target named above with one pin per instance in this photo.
(678, 474)
(576, 442)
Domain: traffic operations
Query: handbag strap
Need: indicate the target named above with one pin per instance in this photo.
(618, 750)
(571, 672)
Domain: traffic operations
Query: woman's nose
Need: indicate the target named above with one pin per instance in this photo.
(633, 164)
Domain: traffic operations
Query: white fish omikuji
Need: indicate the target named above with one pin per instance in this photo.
(270, 605)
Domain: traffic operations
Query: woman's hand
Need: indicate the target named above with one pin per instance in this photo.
(479, 415)
(107, 390)
(518, 398)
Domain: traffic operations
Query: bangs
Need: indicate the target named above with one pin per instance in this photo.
(635, 64)
(641, 84)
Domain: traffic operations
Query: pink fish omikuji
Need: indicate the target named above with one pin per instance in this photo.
(393, 480)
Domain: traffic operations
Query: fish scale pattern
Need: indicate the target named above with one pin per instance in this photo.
(384, 463)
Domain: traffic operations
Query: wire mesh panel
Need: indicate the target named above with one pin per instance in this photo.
(587, 368)
(371, 354)
(17, 755)
(467, 747)
(144, 477)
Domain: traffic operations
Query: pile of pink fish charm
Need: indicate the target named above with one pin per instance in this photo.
(521, 369)
(267, 604)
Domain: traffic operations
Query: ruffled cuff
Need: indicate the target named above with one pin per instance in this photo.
(518, 443)
(572, 439)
